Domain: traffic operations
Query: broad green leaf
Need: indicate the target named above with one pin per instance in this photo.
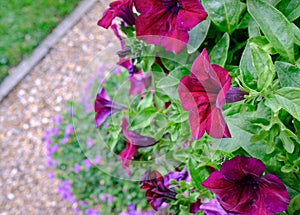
(264, 44)
(273, 2)
(275, 26)
(272, 103)
(286, 139)
(290, 8)
(224, 13)
(197, 35)
(294, 206)
(289, 99)
(169, 84)
(296, 31)
(248, 71)
(218, 54)
(253, 29)
(263, 65)
(143, 118)
(288, 74)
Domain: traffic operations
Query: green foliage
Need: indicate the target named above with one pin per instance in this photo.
(24, 24)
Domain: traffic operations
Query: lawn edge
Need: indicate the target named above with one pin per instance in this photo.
(26, 65)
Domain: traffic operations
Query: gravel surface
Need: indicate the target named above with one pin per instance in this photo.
(24, 115)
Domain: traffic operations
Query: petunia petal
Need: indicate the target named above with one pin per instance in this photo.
(275, 194)
(191, 14)
(101, 116)
(239, 166)
(216, 126)
(126, 155)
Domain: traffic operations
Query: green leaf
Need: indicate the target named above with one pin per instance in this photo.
(263, 65)
(248, 71)
(294, 206)
(288, 74)
(169, 84)
(143, 118)
(218, 54)
(224, 13)
(198, 174)
(286, 138)
(296, 31)
(264, 44)
(274, 25)
(290, 8)
(253, 29)
(197, 35)
(289, 99)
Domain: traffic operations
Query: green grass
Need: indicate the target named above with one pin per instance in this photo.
(24, 24)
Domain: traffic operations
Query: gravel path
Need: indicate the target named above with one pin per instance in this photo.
(27, 112)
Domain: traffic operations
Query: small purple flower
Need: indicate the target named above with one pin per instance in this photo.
(54, 131)
(178, 176)
(50, 162)
(77, 168)
(104, 107)
(65, 140)
(92, 211)
(87, 163)
(131, 208)
(110, 199)
(97, 160)
(65, 191)
(69, 130)
(89, 142)
(57, 119)
(240, 187)
(103, 197)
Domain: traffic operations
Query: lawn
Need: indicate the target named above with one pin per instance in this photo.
(24, 23)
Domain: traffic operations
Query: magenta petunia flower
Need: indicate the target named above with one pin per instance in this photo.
(104, 107)
(134, 141)
(156, 190)
(240, 188)
(167, 22)
(203, 93)
(213, 207)
(119, 8)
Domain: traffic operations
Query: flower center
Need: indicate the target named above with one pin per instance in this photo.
(175, 8)
(172, 6)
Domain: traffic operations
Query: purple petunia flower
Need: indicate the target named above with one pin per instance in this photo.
(240, 188)
(168, 22)
(156, 191)
(134, 141)
(203, 94)
(104, 107)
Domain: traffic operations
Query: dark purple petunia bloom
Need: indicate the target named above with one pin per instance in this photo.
(156, 191)
(104, 107)
(240, 188)
(195, 206)
(203, 93)
(134, 141)
(120, 8)
(167, 22)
